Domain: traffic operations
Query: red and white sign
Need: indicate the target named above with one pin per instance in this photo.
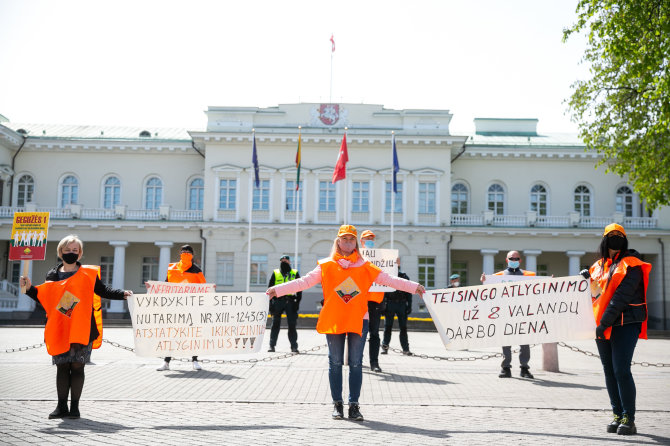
(29, 236)
(329, 114)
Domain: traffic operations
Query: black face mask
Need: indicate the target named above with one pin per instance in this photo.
(70, 257)
(285, 268)
(615, 242)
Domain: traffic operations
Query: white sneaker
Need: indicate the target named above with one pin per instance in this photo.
(164, 367)
(196, 365)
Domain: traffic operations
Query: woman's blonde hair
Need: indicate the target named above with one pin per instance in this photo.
(336, 248)
(66, 241)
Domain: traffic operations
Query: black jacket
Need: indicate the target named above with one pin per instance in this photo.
(627, 305)
(397, 295)
(100, 289)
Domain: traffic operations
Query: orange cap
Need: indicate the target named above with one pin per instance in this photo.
(614, 227)
(367, 233)
(347, 229)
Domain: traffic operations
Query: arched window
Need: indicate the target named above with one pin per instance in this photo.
(25, 190)
(196, 194)
(583, 201)
(69, 191)
(538, 199)
(459, 199)
(496, 199)
(153, 193)
(624, 201)
(111, 194)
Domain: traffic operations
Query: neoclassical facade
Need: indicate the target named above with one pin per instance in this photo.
(134, 195)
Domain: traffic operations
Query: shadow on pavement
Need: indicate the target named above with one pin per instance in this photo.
(201, 374)
(74, 427)
(397, 428)
(556, 384)
(396, 377)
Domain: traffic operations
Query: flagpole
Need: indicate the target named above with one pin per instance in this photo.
(297, 201)
(346, 208)
(251, 200)
(392, 192)
(332, 51)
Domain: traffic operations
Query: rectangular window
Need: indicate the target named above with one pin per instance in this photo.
(16, 272)
(360, 196)
(107, 269)
(150, 269)
(293, 197)
(542, 270)
(262, 196)
(460, 268)
(426, 198)
(427, 271)
(225, 262)
(259, 270)
(227, 194)
(326, 196)
(398, 197)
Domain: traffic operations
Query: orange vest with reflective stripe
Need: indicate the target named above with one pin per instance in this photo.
(345, 296)
(599, 275)
(68, 304)
(176, 275)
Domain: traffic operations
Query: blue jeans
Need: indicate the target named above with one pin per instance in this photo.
(355, 359)
(616, 355)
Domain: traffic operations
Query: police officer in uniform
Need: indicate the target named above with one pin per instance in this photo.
(288, 304)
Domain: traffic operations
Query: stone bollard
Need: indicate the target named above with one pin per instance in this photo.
(550, 357)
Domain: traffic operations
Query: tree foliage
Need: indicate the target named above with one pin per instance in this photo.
(623, 110)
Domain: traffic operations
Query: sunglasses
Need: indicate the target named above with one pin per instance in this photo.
(514, 258)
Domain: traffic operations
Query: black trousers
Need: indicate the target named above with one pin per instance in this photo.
(290, 307)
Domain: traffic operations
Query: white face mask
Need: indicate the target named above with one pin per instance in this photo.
(457, 283)
(369, 244)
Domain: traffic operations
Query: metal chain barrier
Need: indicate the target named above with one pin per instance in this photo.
(588, 353)
(23, 349)
(454, 358)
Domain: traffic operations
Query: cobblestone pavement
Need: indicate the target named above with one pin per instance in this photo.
(277, 398)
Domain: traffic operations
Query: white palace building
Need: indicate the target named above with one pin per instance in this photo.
(135, 195)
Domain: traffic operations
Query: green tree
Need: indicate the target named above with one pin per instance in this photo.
(623, 111)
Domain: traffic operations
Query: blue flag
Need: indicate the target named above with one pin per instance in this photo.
(396, 167)
(254, 159)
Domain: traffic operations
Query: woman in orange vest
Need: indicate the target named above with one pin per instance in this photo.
(619, 287)
(71, 299)
(345, 277)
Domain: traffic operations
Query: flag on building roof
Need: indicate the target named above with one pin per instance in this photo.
(332, 41)
(340, 171)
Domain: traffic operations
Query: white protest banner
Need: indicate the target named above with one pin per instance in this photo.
(513, 313)
(384, 259)
(189, 324)
(154, 287)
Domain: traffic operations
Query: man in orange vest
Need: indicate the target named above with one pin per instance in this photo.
(376, 306)
(184, 271)
(514, 269)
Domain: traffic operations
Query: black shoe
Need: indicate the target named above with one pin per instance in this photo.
(627, 427)
(505, 372)
(60, 412)
(375, 367)
(354, 412)
(338, 412)
(407, 353)
(74, 414)
(295, 350)
(614, 425)
(271, 349)
(385, 349)
(525, 373)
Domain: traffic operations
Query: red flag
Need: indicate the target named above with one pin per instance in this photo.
(332, 40)
(340, 171)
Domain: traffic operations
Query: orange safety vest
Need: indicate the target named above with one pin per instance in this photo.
(525, 273)
(69, 304)
(599, 276)
(176, 275)
(345, 296)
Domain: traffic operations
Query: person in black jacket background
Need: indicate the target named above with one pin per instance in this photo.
(398, 303)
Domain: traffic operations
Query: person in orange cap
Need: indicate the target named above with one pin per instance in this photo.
(619, 280)
(71, 299)
(345, 278)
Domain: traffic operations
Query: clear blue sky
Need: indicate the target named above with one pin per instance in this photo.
(161, 63)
